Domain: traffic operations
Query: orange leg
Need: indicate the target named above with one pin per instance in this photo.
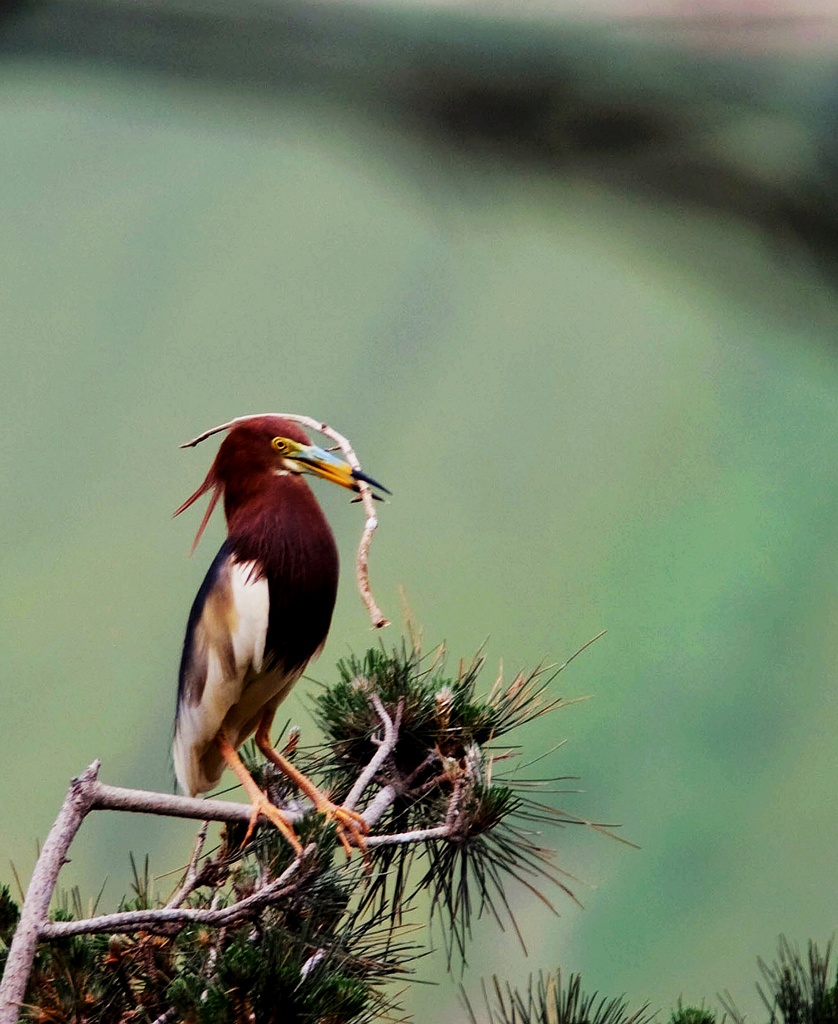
(350, 824)
(261, 804)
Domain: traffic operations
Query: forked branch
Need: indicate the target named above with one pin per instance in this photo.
(87, 794)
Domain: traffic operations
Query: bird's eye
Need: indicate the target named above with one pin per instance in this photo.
(280, 444)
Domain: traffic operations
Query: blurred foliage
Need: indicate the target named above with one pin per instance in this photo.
(796, 989)
(798, 992)
(691, 1015)
(546, 1000)
(9, 915)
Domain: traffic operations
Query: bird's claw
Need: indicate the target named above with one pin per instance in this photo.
(351, 827)
(270, 811)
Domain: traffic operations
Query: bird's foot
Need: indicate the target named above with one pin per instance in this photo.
(259, 803)
(262, 805)
(351, 827)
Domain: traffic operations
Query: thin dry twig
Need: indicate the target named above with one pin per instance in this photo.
(217, 946)
(418, 835)
(191, 878)
(385, 748)
(131, 920)
(362, 576)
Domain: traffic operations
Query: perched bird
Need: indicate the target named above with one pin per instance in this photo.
(262, 612)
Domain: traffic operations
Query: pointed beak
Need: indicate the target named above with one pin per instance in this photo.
(319, 462)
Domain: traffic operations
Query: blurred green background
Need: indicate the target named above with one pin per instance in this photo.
(569, 290)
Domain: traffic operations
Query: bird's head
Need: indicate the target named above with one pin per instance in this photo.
(259, 449)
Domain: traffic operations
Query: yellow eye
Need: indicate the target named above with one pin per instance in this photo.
(280, 444)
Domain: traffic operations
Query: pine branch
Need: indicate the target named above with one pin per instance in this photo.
(409, 746)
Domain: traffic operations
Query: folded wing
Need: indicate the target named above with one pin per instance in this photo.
(224, 681)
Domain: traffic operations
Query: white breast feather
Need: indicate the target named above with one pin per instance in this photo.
(252, 603)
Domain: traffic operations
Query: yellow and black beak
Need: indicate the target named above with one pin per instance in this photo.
(309, 458)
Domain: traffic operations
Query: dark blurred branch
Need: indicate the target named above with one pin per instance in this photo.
(650, 101)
